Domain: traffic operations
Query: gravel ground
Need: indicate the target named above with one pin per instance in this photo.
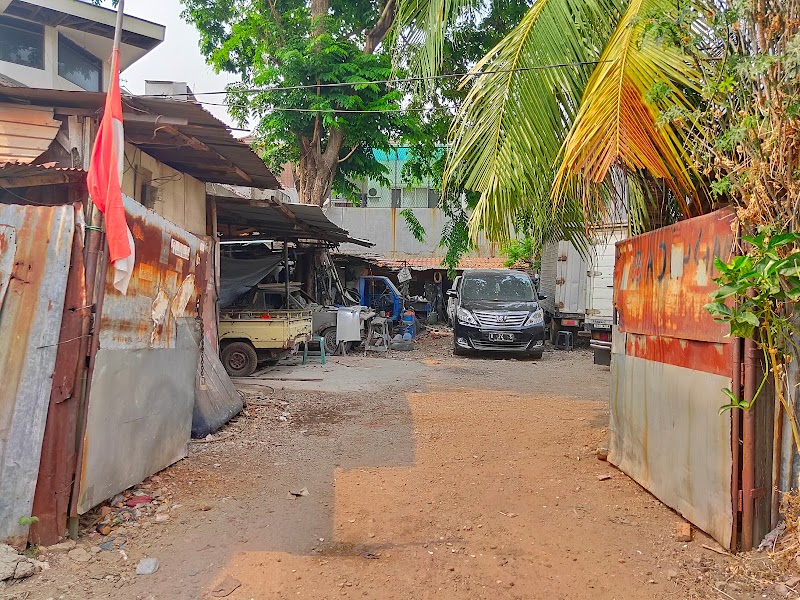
(410, 475)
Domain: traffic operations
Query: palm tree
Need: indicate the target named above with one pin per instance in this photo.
(568, 99)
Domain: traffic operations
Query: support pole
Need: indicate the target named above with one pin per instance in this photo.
(96, 268)
(749, 446)
(286, 270)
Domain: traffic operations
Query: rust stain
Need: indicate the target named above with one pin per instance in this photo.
(159, 276)
(690, 354)
(26, 285)
(59, 451)
(393, 214)
(662, 279)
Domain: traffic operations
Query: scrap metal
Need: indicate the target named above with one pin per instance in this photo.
(30, 321)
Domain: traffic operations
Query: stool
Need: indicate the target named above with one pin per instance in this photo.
(378, 336)
(564, 340)
(321, 353)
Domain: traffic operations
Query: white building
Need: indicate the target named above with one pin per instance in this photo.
(66, 44)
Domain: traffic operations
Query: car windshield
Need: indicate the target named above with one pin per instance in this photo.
(497, 287)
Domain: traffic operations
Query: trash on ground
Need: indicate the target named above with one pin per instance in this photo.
(147, 566)
(298, 493)
(226, 587)
(683, 532)
(768, 543)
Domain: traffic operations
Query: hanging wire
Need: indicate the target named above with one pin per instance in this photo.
(317, 86)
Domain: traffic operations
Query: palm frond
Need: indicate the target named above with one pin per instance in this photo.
(617, 125)
(422, 26)
(509, 131)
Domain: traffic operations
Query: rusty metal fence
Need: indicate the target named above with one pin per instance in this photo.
(143, 383)
(35, 249)
(670, 362)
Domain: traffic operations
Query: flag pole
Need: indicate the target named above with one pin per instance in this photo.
(96, 294)
(118, 26)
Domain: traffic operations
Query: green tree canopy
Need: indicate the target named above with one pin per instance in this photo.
(327, 130)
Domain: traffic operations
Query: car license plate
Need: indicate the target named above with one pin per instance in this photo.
(501, 337)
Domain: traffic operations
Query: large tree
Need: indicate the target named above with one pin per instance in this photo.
(327, 130)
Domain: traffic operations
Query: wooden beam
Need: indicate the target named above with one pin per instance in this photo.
(55, 178)
(81, 112)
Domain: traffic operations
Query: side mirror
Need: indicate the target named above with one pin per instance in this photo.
(452, 294)
(542, 296)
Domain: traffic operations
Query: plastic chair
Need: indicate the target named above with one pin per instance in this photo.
(321, 353)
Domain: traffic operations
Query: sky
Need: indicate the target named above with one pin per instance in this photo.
(177, 58)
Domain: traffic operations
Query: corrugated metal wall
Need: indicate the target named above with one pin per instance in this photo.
(59, 447)
(143, 386)
(670, 361)
(38, 243)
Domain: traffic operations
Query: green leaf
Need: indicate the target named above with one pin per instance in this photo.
(748, 317)
(783, 239)
(727, 291)
(718, 310)
(413, 224)
(734, 402)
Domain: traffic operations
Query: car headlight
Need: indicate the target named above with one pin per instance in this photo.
(535, 318)
(465, 317)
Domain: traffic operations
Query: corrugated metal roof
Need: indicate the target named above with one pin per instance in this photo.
(260, 218)
(181, 134)
(427, 263)
(14, 173)
(26, 132)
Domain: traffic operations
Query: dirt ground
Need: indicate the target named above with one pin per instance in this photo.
(419, 475)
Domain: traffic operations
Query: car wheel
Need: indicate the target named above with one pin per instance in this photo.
(536, 354)
(329, 335)
(458, 350)
(239, 359)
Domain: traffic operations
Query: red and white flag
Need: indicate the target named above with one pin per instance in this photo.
(105, 182)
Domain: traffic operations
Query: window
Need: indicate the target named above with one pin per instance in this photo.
(78, 66)
(21, 42)
(501, 286)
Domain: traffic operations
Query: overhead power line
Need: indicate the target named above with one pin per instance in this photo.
(341, 110)
(383, 81)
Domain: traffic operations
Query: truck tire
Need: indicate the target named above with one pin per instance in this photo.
(239, 359)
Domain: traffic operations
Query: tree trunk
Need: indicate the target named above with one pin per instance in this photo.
(319, 8)
(317, 167)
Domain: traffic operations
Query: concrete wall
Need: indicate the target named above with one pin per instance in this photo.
(49, 78)
(179, 198)
(389, 231)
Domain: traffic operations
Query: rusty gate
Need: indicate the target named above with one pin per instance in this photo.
(670, 362)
